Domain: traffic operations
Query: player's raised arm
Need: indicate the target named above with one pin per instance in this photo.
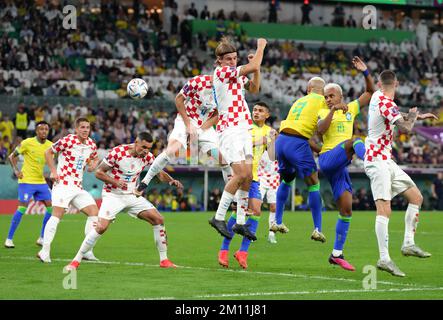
(13, 159)
(365, 98)
(255, 63)
(49, 157)
(253, 85)
(100, 174)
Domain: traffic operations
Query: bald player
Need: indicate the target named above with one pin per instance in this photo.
(295, 157)
(336, 129)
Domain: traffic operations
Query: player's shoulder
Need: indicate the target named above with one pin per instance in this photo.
(90, 142)
(120, 149)
(149, 157)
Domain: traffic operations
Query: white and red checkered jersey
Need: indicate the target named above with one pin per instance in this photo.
(72, 158)
(382, 114)
(199, 99)
(268, 172)
(229, 91)
(125, 167)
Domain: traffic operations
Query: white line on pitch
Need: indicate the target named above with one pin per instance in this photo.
(281, 274)
(250, 294)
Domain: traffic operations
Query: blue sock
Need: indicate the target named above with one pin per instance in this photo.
(282, 195)
(341, 231)
(45, 220)
(315, 204)
(253, 222)
(359, 148)
(226, 242)
(16, 221)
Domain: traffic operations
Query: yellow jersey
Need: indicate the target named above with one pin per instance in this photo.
(303, 115)
(259, 147)
(34, 160)
(342, 126)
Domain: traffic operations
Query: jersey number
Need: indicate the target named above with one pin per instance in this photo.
(80, 161)
(298, 108)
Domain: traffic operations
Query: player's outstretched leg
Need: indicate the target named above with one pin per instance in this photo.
(16, 218)
(223, 254)
(409, 248)
(89, 242)
(341, 232)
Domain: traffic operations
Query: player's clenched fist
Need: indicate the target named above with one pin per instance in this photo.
(261, 43)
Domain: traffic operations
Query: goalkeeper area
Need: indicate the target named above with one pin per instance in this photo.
(294, 268)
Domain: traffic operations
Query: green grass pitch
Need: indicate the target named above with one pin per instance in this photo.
(295, 268)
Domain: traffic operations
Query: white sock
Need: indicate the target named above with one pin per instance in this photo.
(158, 165)
(88, 244)
(411, 222)
(91, 222)
(381, 230)
(161, 241)
(226, 172)
(271, 218)
(223, 206)
(242, 205)
(49, 234)
(337, 253)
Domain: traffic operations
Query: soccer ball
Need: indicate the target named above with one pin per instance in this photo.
(137, 88)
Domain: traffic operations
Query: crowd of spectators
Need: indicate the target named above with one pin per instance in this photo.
(36, 53)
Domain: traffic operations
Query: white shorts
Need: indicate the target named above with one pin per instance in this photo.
(207, 139)
(235, 144)
(63, 196)
(387, 179)
(112, 204)
(270, 193)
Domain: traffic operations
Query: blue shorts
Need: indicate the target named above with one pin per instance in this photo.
(40, 192)
(294, 155)
(334, 165)
(254, 191)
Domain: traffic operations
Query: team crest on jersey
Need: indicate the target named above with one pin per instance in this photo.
(348, 116)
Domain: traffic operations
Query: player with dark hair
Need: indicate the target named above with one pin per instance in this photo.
(31, 181)
(120, 171)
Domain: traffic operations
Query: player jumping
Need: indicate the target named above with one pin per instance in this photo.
(120, 171)
(263, 137)
(31, 182)
(295, 158)
(196, 117)
(75, 151)
(233, 127)
(336, 129)
(387, 178)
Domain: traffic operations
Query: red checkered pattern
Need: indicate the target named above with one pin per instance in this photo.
(383, 112)
(268, 172)
(125, 167)
(232, 107)
(72, 159)
(199, 101)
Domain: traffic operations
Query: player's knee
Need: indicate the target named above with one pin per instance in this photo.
(101, 228)
(158, 219)
(417, 199)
